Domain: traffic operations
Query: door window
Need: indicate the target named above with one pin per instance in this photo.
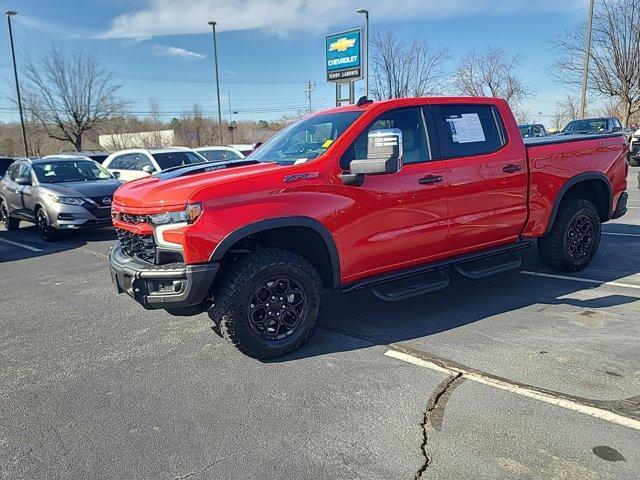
(12, 172)
(414, 139)
(466, 130)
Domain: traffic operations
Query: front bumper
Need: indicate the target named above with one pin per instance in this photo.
(72, 217)
(174, 285)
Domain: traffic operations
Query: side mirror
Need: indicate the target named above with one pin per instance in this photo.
(116, 174)
(616, 129)
(148, 169)
(384, 153)
(23, 181)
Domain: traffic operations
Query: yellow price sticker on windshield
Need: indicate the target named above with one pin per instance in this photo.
(327, 143)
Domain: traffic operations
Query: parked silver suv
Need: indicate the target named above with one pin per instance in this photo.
(61, 192)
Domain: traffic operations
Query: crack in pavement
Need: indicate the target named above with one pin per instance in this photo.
(434, 415)
(206, 467)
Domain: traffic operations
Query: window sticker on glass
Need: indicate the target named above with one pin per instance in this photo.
(466, 128)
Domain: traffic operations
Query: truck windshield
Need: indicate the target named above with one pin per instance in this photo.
(306, 139)
(596, 125)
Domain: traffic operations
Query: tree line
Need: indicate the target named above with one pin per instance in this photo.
(69, 99)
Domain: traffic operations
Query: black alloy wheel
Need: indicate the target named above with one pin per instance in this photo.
(277, 307)
(579, 236)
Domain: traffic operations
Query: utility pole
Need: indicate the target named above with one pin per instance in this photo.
(587, 55)
(215, 56)
(9, 14)
(365, 12)
(231, 125)
(308, 89)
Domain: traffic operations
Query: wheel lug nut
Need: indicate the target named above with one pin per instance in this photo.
(282, 306)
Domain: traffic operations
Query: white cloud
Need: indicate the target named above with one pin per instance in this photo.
(177, 52)
(175, 17)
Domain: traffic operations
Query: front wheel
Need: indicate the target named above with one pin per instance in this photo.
(574, 238)
(268, 304)
(47, 231)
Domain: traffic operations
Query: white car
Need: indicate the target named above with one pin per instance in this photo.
(136, 163)
(244, 148)
(634, 149)
(219, 154)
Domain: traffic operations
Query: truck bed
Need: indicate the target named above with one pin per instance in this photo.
(555, 139)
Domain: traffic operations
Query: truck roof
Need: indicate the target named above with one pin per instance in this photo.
(409, 101)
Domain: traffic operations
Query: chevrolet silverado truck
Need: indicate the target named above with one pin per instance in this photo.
(392, 196)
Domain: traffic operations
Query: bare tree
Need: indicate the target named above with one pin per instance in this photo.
(490, 74)
(566, 110)
(69, 96)
(154, 139)
(405, 69)
(614, 69)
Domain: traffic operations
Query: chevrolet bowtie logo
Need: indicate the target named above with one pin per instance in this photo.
(342, 44)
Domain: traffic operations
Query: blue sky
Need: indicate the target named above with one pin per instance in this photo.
(268, 49)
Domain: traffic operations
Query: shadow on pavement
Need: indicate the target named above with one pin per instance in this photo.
(361, 316)
(29, 237)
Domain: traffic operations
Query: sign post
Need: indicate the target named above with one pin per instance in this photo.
(343, 62)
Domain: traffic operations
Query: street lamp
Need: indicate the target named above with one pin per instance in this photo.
(365, 12)
(215, 56)
(587, 54)
(9, 14)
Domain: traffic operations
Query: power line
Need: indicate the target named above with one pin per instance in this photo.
(157, 78)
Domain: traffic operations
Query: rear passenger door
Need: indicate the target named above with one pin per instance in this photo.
(487, 175)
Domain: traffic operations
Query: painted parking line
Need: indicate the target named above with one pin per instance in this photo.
(621, 234)
(21, 245)
(584, 280)
(525, 391)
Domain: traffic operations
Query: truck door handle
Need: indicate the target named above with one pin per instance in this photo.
(430, 179)
(511, 168)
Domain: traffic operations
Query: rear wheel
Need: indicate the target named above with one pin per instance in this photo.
(8, 222)
(268, 304)
(574, 238)
(47, 231)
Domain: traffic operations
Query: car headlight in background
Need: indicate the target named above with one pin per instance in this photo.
(188, 215)
(68, 200)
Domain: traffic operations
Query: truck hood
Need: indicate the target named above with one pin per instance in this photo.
(176, 187)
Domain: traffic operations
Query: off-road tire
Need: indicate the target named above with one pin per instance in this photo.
(48, 233)
(233, 291)
(554, 248)
(8, 222)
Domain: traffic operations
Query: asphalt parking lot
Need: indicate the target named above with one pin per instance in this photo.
(527, 375)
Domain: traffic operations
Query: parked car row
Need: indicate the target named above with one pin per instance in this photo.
(74, 190)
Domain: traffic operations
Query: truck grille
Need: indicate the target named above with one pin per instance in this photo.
(136, 245)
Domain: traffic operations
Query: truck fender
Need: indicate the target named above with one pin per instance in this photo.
(282, 222)
(573, 181)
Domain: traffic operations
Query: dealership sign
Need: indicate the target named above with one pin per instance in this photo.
(343, 56)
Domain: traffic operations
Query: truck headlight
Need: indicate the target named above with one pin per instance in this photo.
(68, 200)
(188, 215)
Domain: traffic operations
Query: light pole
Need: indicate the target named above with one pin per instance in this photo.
(9, 14)
(587, 55)
(366, 33)
(215, 56)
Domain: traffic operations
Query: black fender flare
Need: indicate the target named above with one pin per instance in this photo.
(581, 177)
(281, 222)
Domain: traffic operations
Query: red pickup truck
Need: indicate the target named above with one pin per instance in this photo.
(392, 196)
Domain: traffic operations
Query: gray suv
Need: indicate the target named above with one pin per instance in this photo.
(62, 192)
